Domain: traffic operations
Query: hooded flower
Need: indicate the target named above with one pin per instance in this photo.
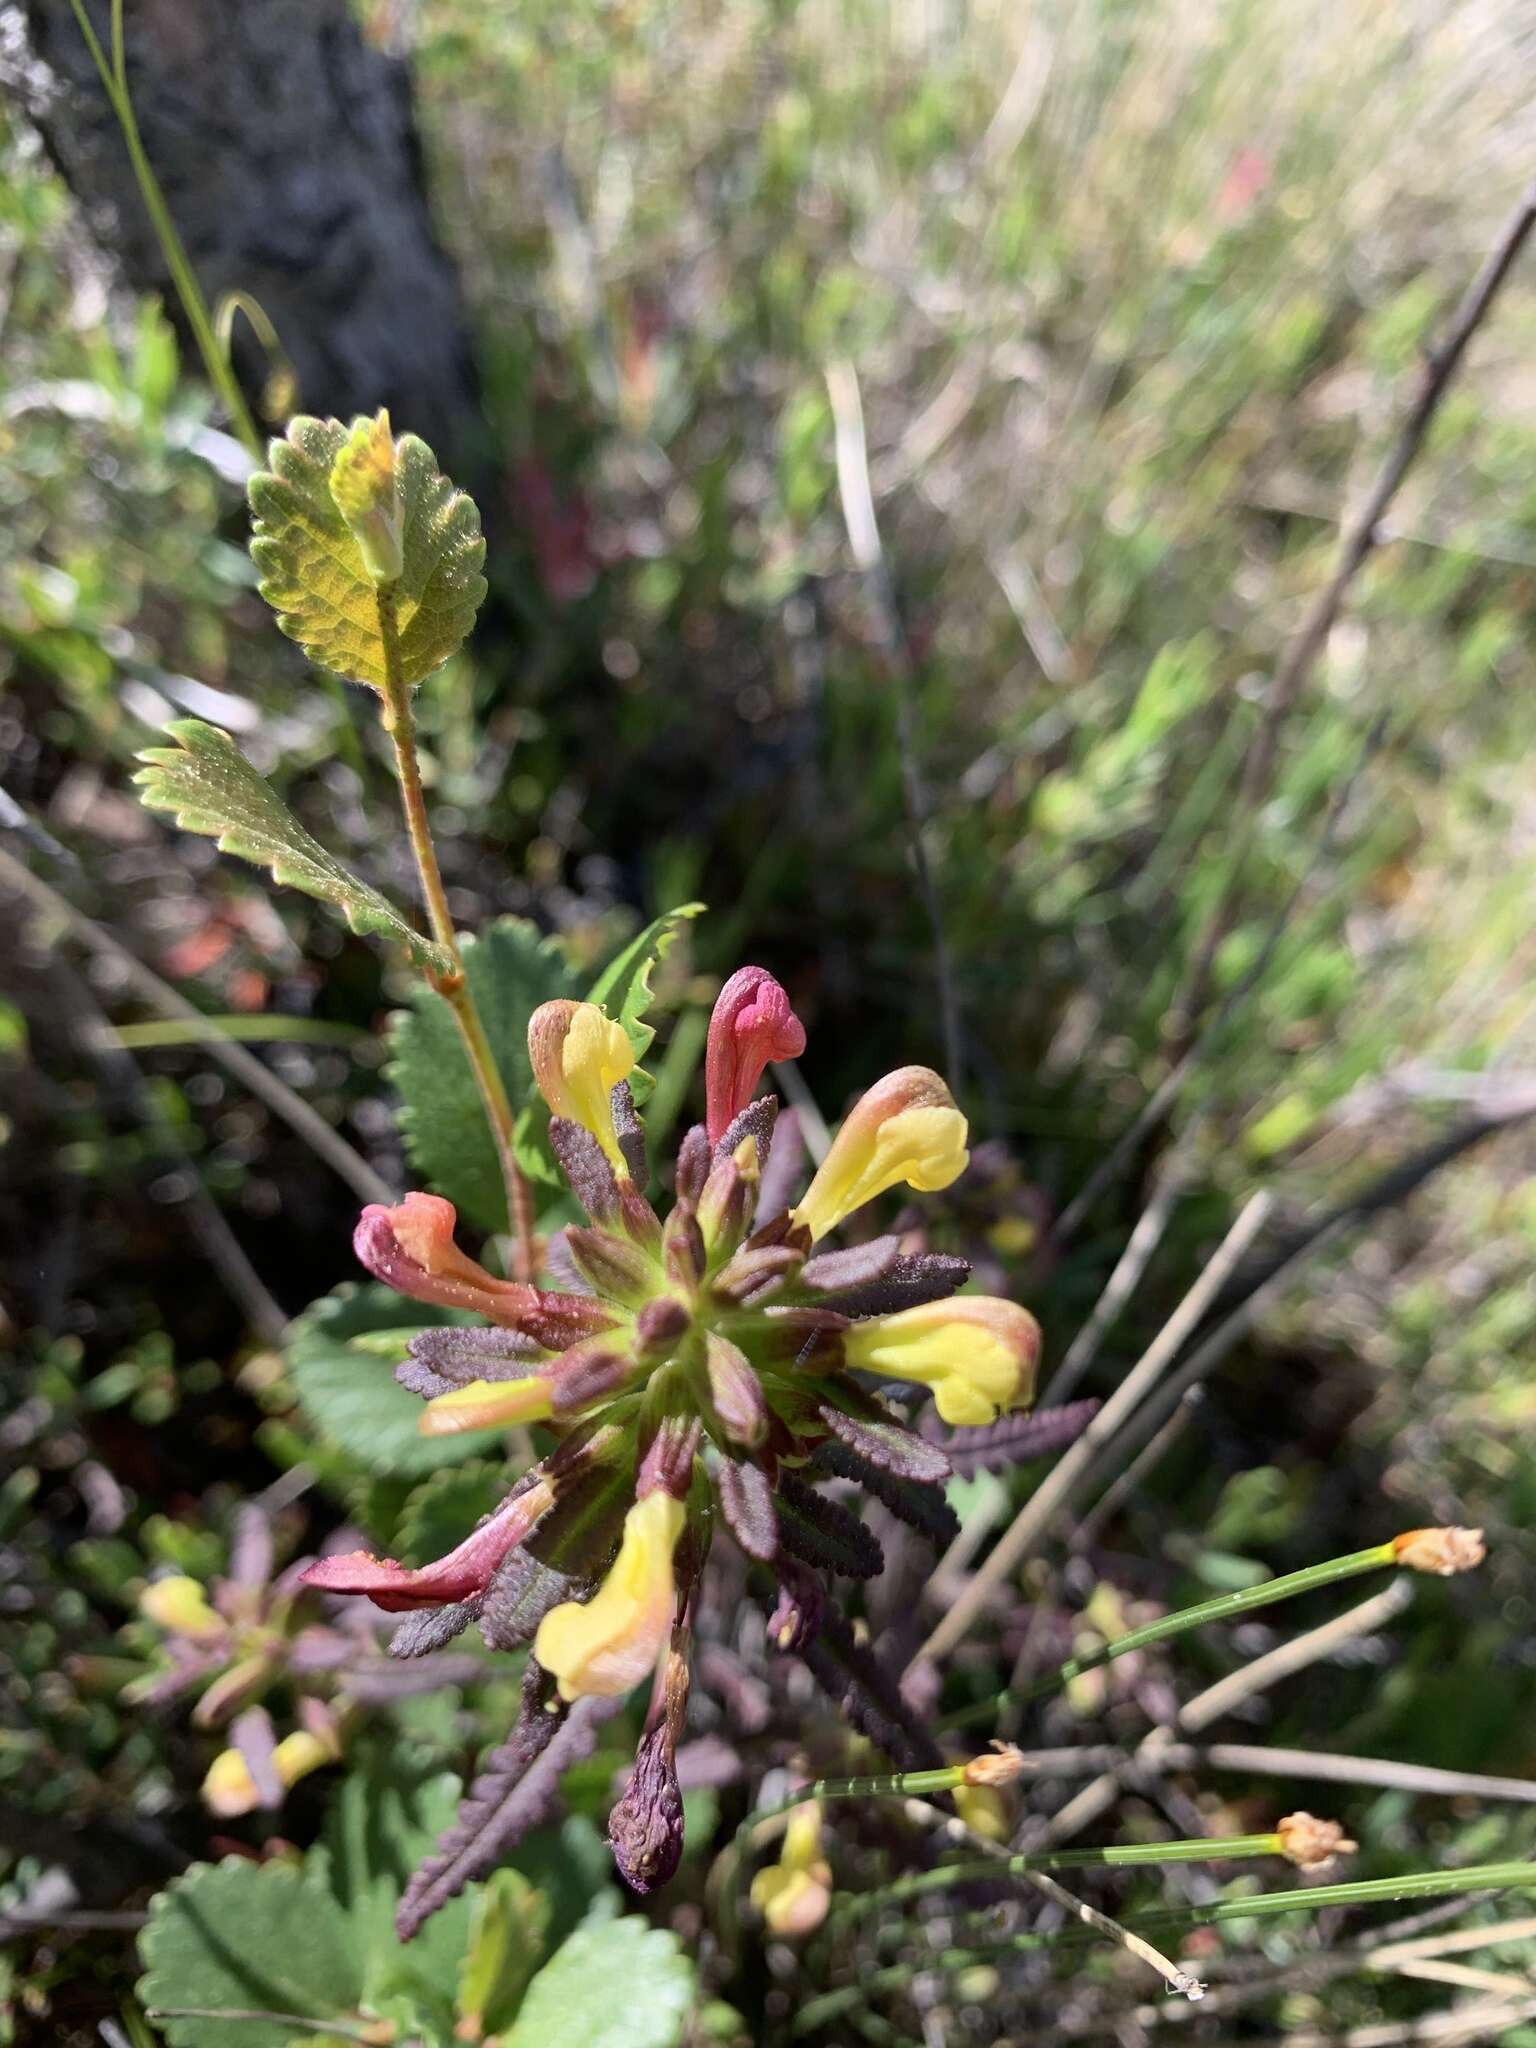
(711, 1360)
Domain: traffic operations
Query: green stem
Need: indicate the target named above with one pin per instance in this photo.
(114, 79)
(400, 724)
(1129, 1856)
(1223, 1608)
(1423, 1884)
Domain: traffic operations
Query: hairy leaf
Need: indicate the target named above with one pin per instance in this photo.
(1012, 1439)
(917, 1502)
(239, 1936)
(511, 969)
(311, 571)
(823, 1533)
(352, 1395)
(880, 1440)
(746, 1501)
(515, 1788)
(211, 788)
(614, 1984)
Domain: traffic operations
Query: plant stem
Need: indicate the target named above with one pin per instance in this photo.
(1130, 1856)
(1222, 1608)
(400, 724)
(114, 80)
(1422, 1884)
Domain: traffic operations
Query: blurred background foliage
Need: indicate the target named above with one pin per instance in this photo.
(1134, 293)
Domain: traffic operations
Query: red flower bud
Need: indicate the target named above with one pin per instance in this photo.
(751, 1025)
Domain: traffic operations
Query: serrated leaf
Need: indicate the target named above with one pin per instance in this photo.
(615, 1984)
(210, 787)
(441, 1511)
(237, 1937)
(511, 969)
(506, 1945)
(624, 986)
(351, 1395)
(311, 571)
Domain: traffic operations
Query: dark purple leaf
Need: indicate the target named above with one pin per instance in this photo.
(516, 1788)
(518, 1598)
(693, 1159)
(856, 1265)
(920, 1504)
(755, 1121)
(746, 1501)
(928, 1276)
(881, 1440)
(1013, 1439)
(630, 1132)
(586, 1167)
(783, 1170)
(820, 1532)
(456, 1356)
(429, 1628)
(852, 1677)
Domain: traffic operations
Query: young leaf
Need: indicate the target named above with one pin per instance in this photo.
(352, 1396)
(239, 1937)
(511, 969)
(312, 572)
(506, 1946)
(211, 788)
(624, 986)
(614, 1984)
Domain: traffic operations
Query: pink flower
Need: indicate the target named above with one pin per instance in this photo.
(462, 1572)
(752, 1024)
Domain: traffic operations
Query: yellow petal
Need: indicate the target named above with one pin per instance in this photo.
(905, 1130)
(977, 1353)
(603, 1646)
(488, 1404)
(579, 1056)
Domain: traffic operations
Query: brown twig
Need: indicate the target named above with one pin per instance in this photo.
(1357, 541)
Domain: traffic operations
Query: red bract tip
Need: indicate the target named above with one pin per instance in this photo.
(752, 1024)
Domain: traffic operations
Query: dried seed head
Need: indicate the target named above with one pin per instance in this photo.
(1312, 1844)
(1441, 1551)
(1000, 1766)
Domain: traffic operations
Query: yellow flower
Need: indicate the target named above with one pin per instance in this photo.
(229, 1789)
(579, 1057)
(607, 1644)
(488, 1404)
(180, 1606)
(906, 1128)
(984, 1811)
(365, 488)
(977, 1353)
(793, 1894)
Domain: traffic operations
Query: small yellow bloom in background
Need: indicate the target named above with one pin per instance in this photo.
(229, 1789)
(793, 1894)
(978, 1353)
(1440, 1551)
(365, 487)
(300, 1753)
(579, 1057)
(906, 1129)
(180, 1606)
(488, 1404)
(603, 1646)
(1312, 1844)
(984, 1811)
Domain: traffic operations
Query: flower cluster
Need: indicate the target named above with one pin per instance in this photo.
(691, 1364)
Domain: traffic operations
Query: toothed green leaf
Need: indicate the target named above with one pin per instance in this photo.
(210, 787)
(352, 1394)
(624, 986)
(310, 568)
(615, 1984)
